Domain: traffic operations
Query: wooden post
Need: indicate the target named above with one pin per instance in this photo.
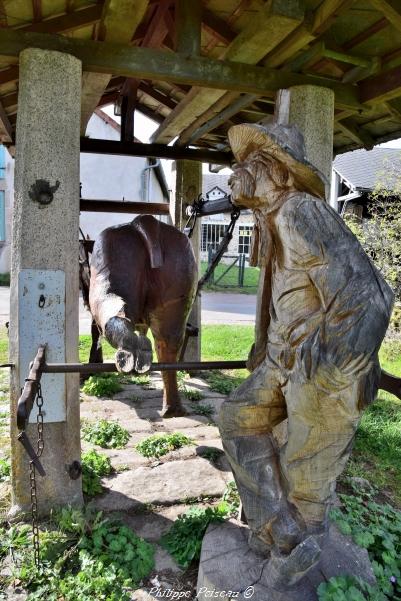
(188, 188)
(188, 26)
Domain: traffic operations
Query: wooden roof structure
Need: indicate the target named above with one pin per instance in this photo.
(197, 67)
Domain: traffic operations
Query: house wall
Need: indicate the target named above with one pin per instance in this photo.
(7, 185)
(105, 177)
(102, 177)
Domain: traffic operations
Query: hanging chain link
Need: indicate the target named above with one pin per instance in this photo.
(32, 476)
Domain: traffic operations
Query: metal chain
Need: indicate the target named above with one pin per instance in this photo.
(32, 477)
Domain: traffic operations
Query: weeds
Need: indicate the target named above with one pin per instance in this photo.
(232, 499)
(158, 445)
(106, 434)
(103, 385)
(377, 528)
(191, 393)
(221, 382)
(184, 539)
(5, 470)
(94, 467)
(211, 454)
(84, 557)
(200, 409)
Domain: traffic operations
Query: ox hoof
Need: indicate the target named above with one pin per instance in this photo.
(143, 355)
(124, 361)
(173, 412)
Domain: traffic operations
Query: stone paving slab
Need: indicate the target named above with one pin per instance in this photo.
(151, 525)
(168, 483)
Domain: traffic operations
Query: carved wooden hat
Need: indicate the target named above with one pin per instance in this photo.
(284, 143)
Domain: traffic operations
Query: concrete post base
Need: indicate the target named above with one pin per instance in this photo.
(228, 565)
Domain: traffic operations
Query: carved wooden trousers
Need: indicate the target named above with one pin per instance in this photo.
(298, 479)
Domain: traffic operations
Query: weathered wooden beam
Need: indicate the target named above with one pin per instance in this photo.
(394, 107)
(356, 133)
(68, 22)
(113, 147)
(6, 130)
(326, 13)
(148, 63)
(9, 100)
(9, 74)
(191, 134)
(382, 87)
(128, 105)
(364, 35)
(343, 57)
(217, 27)
(37, 10)
(270, 25)
(128, 206)
(119, 20)
(188, 19)
(391, 9)
(145, 110)
(158, 96)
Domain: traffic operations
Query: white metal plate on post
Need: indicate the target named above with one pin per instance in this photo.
(42, 321)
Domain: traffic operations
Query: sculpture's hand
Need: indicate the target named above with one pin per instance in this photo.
(256, 357)
(309, 354)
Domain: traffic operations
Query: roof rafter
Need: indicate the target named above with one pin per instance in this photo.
(6, 130)
(268, 28)
(67, 22)
(120, 18)
(391, 9)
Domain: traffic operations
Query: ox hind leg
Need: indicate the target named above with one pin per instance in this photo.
(96, 353)
(168, 329)
(134, 352)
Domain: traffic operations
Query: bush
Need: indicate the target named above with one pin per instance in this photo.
(158, 445)
(106, 434)
(184, 539)
(94, 467)
(102, 385)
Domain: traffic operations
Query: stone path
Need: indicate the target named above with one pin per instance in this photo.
(149, 494)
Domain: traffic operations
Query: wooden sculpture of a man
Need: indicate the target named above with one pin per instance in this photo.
(323, 314)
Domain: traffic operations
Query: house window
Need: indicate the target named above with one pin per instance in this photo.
(212, 233)
(244, 239)
(2, 217)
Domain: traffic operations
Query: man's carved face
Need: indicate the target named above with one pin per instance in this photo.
(257, 181)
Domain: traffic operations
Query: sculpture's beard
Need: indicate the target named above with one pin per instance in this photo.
(243, 187)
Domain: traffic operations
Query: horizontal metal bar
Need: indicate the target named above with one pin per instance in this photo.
(119, 206)
(92, 368)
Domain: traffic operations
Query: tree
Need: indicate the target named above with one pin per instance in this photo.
(380, 235)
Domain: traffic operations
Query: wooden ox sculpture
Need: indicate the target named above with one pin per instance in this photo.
(142, 275)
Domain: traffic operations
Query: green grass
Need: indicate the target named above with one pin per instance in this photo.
(377, 450)
(229, 283)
